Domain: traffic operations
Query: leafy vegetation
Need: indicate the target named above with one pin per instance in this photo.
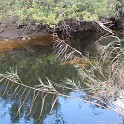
(53, 11)
(102, 84)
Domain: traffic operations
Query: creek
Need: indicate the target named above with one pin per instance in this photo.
(32, 62)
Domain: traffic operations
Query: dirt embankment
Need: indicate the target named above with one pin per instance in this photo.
(14, 35)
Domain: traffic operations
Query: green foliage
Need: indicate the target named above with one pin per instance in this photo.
(51, 12)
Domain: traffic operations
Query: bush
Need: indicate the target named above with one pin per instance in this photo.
(52, 11)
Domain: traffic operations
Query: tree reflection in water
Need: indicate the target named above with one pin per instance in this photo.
(30, 66)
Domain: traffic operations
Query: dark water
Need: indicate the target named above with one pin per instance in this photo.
(34, 63)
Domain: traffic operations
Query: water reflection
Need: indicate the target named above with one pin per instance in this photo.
(30, 66)
(70, 111)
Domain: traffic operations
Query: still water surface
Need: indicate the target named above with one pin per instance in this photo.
(31, 64)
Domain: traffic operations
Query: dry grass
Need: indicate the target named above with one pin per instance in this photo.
(104, 78)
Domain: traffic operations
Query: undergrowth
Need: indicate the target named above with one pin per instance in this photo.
(53, 11)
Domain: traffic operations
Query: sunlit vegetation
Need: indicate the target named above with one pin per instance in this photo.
(53, 11)
(103, 77)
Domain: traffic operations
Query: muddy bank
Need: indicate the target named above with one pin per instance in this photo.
(13, 35)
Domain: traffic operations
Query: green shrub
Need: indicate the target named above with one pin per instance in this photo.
(51, 12)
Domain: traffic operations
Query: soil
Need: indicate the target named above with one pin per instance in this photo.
(13, 35)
